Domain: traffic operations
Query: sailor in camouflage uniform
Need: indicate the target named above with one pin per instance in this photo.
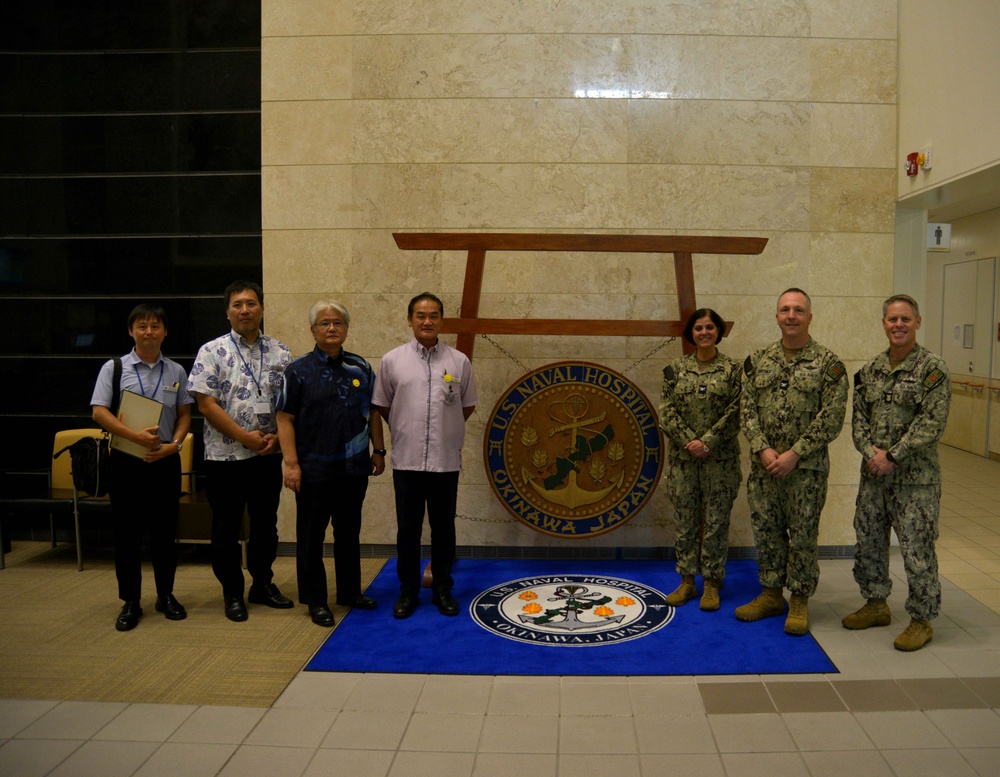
(901, 401)
(699, 414)
(793, 407)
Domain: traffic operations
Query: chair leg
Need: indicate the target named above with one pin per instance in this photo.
(76, 524)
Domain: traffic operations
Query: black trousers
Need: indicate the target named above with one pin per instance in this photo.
(438, 492)
(252, 484)
(144, 497)
(336, 500)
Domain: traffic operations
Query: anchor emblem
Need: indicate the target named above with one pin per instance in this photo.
(562, 487)
(577, 599)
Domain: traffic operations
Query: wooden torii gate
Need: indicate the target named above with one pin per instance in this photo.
(468, 325)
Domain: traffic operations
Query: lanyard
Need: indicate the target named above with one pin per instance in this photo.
(253, 377)
(158, 382)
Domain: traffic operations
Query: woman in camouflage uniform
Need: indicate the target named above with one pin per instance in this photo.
(699, 415)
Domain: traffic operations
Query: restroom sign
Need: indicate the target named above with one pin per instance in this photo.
(938, 237)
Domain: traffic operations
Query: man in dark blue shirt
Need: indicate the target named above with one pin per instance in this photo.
(325, 424)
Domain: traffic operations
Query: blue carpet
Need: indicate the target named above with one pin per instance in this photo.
(557, 636)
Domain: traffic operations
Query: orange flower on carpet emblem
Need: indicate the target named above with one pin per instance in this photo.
(624, 601)
(532, 609)
(528, 596)
(604, 612)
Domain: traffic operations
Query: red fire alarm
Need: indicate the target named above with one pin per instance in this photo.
(911, 163)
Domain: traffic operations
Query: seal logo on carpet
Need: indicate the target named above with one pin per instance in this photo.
(571, 610)
(520, 612)
(573, 449)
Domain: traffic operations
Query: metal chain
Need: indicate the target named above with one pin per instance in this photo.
(641, 359)
(484, 520)
(628, 369)
(505, 352)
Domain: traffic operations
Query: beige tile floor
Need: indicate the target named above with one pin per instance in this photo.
(935, 712)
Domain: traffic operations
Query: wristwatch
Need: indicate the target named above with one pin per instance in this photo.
(179, 444)
(378, 452)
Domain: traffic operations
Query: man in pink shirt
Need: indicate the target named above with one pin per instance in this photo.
(424, 391)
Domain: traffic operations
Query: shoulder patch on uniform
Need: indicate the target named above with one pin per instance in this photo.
(934, 378)
(668, 373)
(836, 371)
(748, 366)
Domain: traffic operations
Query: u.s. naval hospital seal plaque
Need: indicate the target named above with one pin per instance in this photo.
(571, 610)
(573, 449)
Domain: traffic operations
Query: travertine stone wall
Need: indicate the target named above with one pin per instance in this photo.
(771, 118)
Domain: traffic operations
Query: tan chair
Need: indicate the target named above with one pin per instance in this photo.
(50, 490)
(62, 496)
(62, 477)
(62, 480)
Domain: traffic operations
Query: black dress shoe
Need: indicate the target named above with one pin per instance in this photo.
(171, 608)
(321, 615)
(405, 605)
(236, 608)
(269, 595)
(445, 603)
(362, 602)
(128, 618)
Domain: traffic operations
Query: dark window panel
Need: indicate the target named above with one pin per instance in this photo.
(134, 266)
(34, 436)
(52, 386)
(130, 82)
(130, 206)
(35, 433)
(77, 330)
(160, 143)
(104, 63)
(53, 25)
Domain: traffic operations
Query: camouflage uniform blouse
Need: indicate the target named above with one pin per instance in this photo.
(701, 406)
(903, 411)
(798, 404)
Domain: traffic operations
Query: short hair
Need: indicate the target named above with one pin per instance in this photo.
(243, 285)
(147, 310)
(420, 298)
(901, 298)
(328, 304)
(720, 325)
(797, 290)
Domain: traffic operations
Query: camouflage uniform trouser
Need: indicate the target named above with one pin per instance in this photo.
(913, 512)
(785, 518)
(712, 484)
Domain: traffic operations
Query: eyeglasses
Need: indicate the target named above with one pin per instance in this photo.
(335, 324)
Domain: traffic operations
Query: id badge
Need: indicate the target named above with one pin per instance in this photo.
(262, 407)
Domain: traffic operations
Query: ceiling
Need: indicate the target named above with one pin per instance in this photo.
(965, 196)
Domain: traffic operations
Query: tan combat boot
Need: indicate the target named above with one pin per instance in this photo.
(710, 596)
(768, 604)
(874, 613)
(685, 592)
(797, 622)
(916, 635)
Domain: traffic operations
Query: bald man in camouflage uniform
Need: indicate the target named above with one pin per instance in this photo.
(901, 401)
(700, 418)
(793, 407)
